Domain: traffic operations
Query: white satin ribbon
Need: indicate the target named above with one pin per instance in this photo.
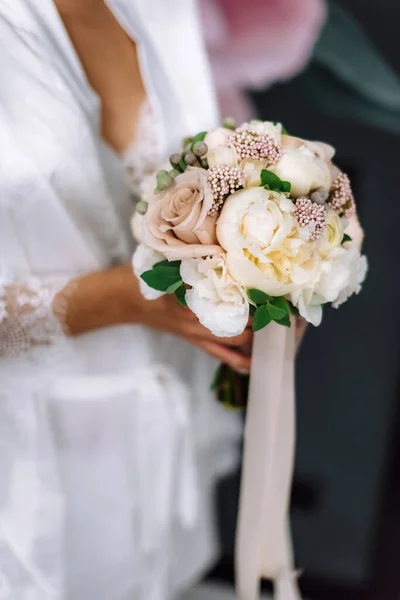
(263, 544)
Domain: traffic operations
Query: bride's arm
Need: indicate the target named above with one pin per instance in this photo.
(37, 312)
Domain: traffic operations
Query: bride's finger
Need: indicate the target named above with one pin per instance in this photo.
(238, 361)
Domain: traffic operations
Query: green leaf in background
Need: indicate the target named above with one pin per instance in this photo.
(349, 78)
(262, 317)
(345, 48)
(258, 297)
(346, 238)
(180, 293)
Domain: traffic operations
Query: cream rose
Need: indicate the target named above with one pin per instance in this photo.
(218, 301)
(263, 242)
(177, 223)
(304, 169)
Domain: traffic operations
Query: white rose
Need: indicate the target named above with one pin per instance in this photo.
(218, 137)
(217, 300)
(304, 170)
(265, 128)
(358, 268)
(143, 260)
(263, 242)
(222, 155)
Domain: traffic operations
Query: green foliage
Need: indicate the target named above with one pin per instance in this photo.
(262, 317)
(268, 309)
(180, 293)
(346, 238)
(164, 276)
(198, 138)
(272, 182)
(258, 297)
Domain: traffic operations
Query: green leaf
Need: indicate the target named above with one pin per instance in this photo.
(252, 310)
(198, 138)
(180, 293)
(182, 165)
(174, 286)
(346, 238)
(261, 318)
(258, 297)
(166, 263)
(286, 186)
(161, 278)
(293, 309)
(275, 312)
(281, 303)
(270, 180)
(285, 321)
(284, 130)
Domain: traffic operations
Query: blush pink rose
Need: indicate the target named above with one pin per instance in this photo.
(177, 223)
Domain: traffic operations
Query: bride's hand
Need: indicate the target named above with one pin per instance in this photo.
(112, 297)
(166, 314)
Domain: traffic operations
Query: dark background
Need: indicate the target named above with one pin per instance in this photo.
(346, 497)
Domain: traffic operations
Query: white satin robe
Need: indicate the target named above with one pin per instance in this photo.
(110, 442)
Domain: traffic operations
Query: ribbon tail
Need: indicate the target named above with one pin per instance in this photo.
(263, 545)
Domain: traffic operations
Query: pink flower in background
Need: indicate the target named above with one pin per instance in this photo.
(252, 43)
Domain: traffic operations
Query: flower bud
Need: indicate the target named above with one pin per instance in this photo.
(175, 159)
(141, 207)
(229, 123)
(164, 180)
(320, 196)
(190, 158)
(200, 149)
(174, 173)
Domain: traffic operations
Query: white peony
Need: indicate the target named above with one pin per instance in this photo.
(264, 245)
(265, 128)
(217, 137)
(305, 171)
(143, 260)
(252, 171)
(216, 299)
(222, 155)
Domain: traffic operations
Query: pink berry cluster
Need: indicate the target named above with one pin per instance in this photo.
(308, 212)
(223, 180)
(250, 144)
(341, 197)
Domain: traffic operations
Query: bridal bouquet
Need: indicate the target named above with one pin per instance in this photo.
(250, 221)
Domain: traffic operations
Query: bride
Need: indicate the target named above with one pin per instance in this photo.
(110, 441)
